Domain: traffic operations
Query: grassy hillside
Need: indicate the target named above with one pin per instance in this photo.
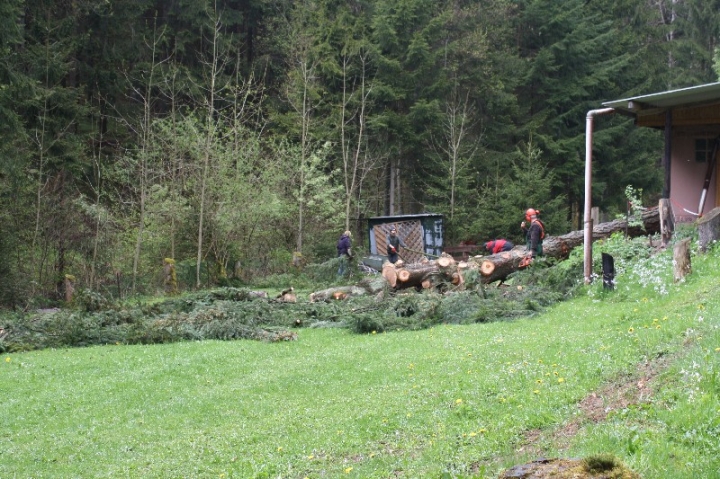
(632, 373)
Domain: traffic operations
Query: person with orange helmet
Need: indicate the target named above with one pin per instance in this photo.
(534, 231)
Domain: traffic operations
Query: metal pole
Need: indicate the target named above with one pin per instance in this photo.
(588, 226)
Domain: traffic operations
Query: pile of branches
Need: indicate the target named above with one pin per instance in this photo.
(235, 313)
(225, 314)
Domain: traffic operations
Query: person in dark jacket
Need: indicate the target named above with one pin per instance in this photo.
(344, 249)
(498, 245)
(393, 245)
(534, 232)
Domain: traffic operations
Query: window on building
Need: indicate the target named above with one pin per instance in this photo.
(703, 149)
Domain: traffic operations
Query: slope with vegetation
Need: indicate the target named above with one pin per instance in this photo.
(629, 375)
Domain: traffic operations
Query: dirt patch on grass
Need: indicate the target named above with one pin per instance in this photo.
(625, 391)
(617, 395)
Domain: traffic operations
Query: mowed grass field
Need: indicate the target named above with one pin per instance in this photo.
(452, 401)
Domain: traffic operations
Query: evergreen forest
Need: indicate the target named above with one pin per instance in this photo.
(229, 137)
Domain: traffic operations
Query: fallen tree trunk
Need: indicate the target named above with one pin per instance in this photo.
(498, 266)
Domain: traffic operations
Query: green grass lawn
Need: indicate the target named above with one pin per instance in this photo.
(452, 401)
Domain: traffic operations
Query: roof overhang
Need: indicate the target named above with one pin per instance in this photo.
(696, 106)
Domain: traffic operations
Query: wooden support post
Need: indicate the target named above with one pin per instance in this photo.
(667, 220)
(681, 260)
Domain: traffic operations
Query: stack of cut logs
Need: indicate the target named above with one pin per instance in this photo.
(427, 274)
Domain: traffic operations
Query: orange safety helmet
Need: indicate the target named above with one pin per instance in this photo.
(530, 213)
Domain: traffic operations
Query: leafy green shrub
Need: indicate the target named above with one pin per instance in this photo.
(366, 323)
(625, 251)
(90, 301)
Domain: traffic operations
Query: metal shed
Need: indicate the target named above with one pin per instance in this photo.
(420, 232)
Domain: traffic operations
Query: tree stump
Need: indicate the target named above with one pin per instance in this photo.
(681, 260)
(171, 284)
(709, 228)
(667, 220)
(69, 283)
(298, 260)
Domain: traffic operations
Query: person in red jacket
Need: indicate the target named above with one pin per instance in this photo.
(498, 245)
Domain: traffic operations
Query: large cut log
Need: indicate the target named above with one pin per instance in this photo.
(400, 275)
(389, 272)
(709, 228)
(414, 274)
(498, 266)
(428, 274)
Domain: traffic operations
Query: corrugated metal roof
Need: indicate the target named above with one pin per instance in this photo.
(668, 99)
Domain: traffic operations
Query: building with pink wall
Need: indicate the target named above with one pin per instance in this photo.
(690, 118)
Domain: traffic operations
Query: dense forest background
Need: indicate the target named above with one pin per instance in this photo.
(228, 135)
